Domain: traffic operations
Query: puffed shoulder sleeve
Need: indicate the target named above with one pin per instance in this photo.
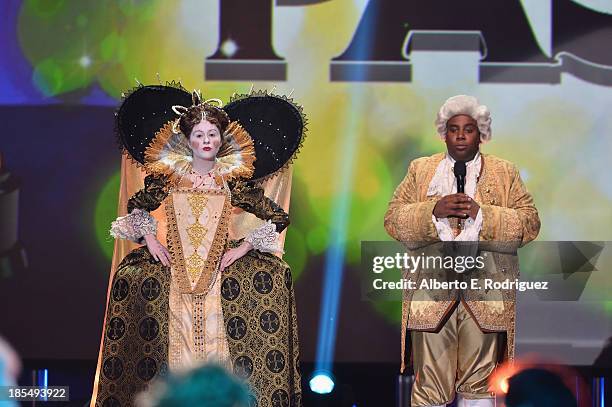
(139, 222)
(151, 196)
(250, 197)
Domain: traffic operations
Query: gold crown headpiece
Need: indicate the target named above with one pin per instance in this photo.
(197, 100)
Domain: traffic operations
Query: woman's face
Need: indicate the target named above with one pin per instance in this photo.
(205, 140)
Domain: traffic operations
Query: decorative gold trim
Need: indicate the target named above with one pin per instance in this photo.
(194, 264)
(197, 204)
(236, 157)
(199, 326)
(300, 110)
(124, 95)
(175, 349)
(214, 254)
(196, 233)
(169, 155)
(173, 241)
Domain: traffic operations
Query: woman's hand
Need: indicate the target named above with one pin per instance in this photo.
(157, 250)
(234, 254)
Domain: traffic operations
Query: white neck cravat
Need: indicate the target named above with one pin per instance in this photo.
(444, 183)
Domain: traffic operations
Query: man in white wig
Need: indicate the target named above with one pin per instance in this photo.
(454, 343)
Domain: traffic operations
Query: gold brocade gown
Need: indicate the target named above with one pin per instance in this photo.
(162, 319)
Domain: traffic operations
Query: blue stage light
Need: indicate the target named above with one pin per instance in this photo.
(334, 259)
(321, 383)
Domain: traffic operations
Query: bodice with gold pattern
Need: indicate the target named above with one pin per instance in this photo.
(197, 234)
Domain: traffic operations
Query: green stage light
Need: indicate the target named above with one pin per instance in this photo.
(295, 252)
(105, 212)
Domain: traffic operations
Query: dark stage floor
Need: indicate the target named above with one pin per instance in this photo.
(357, 385)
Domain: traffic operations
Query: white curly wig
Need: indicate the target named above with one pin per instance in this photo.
(468, 105)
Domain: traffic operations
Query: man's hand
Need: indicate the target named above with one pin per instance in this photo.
(456, 206)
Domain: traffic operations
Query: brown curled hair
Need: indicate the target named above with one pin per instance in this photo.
(212, 114)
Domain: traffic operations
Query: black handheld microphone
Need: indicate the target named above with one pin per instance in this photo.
(459, 170)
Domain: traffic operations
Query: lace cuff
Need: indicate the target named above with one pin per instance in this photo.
(265, 238)
(470, 232)
(134, 226)
(444, 229)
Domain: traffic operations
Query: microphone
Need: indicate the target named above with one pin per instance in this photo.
(459, 170)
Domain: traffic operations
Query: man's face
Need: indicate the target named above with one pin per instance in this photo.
(462, 137)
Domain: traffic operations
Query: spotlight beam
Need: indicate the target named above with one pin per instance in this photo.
(334, 259)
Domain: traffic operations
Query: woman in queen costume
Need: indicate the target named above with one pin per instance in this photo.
(200, 290)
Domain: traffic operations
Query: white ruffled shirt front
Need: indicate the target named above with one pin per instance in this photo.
(444, 183)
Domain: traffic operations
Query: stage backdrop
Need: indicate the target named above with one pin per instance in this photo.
(370, 75)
